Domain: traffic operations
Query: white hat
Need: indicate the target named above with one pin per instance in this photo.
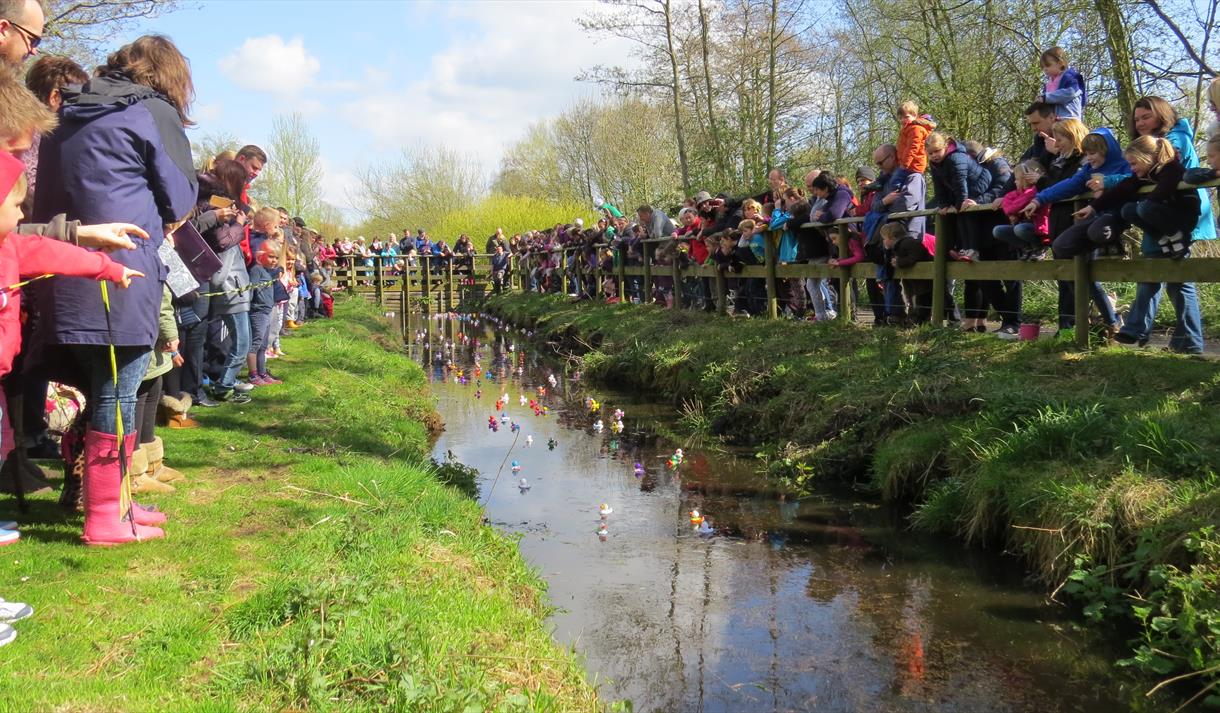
(579, 222)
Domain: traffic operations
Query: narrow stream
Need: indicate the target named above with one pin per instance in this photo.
(823, 603)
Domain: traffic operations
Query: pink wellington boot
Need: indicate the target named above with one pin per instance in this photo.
(105, 525)
(143, 515)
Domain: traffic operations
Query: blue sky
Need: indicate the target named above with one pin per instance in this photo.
(374, 77)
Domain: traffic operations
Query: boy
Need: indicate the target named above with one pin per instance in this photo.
(904, 252)
(915, 129)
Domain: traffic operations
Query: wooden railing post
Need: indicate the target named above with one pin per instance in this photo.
(1084, 280)
(846, 306)
(646, 289)
(771, 256)
(351, 273)
(940, 274)
(676, 270)
(377, 277)
(424, 285)
(449, 279)
(406, 285)
(722, 293)
(620, 261)
(403, 288)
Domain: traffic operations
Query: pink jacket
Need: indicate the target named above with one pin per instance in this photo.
(1015, 200)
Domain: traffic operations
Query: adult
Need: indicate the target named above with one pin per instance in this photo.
(1041, 118)
(901, 191)
(993, 161)
(496, 238)
(829, 201)
(21, 26)
(464, 250)
(654, 222)
(777, 183)
(1213, 97)
(120, 154)
(47, 78)
(961, 183)
(1153, 116)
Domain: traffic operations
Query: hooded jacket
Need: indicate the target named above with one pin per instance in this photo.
(1165, 180)
(226, 240)
(1069, 97)
(120, 154)
(1115, 165)
(958, 177)
(1182, 136)
(911, 152)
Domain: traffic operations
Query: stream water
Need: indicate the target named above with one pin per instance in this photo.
(824, 602)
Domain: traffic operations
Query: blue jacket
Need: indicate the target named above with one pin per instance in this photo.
(1182, 136)
(957, 177)
(1071, 96)
(912, 193)
(1074, 185)
(120, 154)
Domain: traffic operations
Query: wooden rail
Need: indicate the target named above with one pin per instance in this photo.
(432, 279)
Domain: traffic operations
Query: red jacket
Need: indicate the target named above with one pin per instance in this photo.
(26, 256)
(911, 152)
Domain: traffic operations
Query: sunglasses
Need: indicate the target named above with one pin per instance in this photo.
(32, 39)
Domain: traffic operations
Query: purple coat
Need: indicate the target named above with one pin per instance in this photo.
(120, 154)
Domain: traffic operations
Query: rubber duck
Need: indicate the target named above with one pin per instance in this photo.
(550, 379)
(478, 393)
(604, 510)
(616, 426)
(551, 443)
(639, 469)
(602, 531)
(529, 441)
(515, 427)
(618, 414)
(597, 426)
(524, 485)
(696, 519)
(503, 418)
(517, 468)
(491, 423)
(706, 529)
(522, 399)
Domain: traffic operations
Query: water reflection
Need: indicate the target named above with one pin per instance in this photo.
(794, 605)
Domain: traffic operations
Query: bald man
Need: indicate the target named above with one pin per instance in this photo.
(21, 26)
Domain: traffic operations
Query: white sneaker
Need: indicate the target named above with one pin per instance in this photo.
(14, 611)
(7, 634)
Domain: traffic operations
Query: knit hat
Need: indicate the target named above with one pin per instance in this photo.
(867, 173)
(11, 168)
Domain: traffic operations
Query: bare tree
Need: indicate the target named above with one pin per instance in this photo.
(85, 29)
(293, 176)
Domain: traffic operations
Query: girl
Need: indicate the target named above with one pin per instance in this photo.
(1165, 214)
(960, 181)
(264, 275)
(1064, 87)
(1153, 116)
(1028, 236)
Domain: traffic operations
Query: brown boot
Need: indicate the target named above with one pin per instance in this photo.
(156, 463)
(182, 421)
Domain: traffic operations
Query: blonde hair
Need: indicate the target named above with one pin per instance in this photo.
(893, 230)
(746, 225)
(1055, 54)
(1031, 166)
(1150, 150)
(1070, 132)
(936, 141)
(266, 216)
(907, 107)
(22, 112)
(751, 203)
(269, 248)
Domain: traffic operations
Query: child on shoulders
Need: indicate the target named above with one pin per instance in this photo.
(1064, 88)
(912, 155)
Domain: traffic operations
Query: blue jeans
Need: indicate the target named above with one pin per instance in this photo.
(104, 394)
(1187, 334)
(1022, 236)
(239, 326)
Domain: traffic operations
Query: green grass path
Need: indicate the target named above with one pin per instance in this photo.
(312, 562)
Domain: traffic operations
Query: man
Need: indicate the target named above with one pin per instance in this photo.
(496, 239)
(901, 191)
(499, 268)
(1041, 118)
(654, 222)
(777, 181)
(253, 159)
(21, 26)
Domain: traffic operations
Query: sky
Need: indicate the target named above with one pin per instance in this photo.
(375, 77)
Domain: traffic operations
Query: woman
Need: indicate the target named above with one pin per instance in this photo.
(120, 154)
(1153, 116)
(962, 183)
(224, 230)
(464, 250)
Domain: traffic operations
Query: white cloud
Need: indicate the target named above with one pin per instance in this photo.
(509, 65)
(269, 64)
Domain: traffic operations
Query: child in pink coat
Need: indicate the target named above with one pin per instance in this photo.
(1030, 235)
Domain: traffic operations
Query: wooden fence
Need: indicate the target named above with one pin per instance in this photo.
(440, 283)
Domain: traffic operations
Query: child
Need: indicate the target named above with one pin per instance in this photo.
(1102, 157)
(264, 274)
(906, 251)
(25, 257)
(1064, 88)
(1166, 214)
(911, 137)
(1029, 236)
(265, 222)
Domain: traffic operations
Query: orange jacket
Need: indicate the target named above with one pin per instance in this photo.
(911, 152)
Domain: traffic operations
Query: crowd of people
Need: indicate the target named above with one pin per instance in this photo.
(1019, 212)
(134, 288)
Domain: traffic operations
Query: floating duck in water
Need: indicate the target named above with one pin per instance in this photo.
(551, 443)
(602, 531)
(503, 418)
(604, 510)
(676, 459)
(597, 426)
(616, 426)
(524, 485)
(639, 469)
(492, 424)
(705, 529)
(618, 414)
(550, 379)
(499, 405)
(515, 427)
(529, 441)
(522, 399)
(516, 467)
(696, 518)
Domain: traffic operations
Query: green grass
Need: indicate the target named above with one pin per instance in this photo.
(1074, 461)
(313, 561)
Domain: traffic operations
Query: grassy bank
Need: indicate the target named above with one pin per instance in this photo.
(1098, 469)
(313, 561)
